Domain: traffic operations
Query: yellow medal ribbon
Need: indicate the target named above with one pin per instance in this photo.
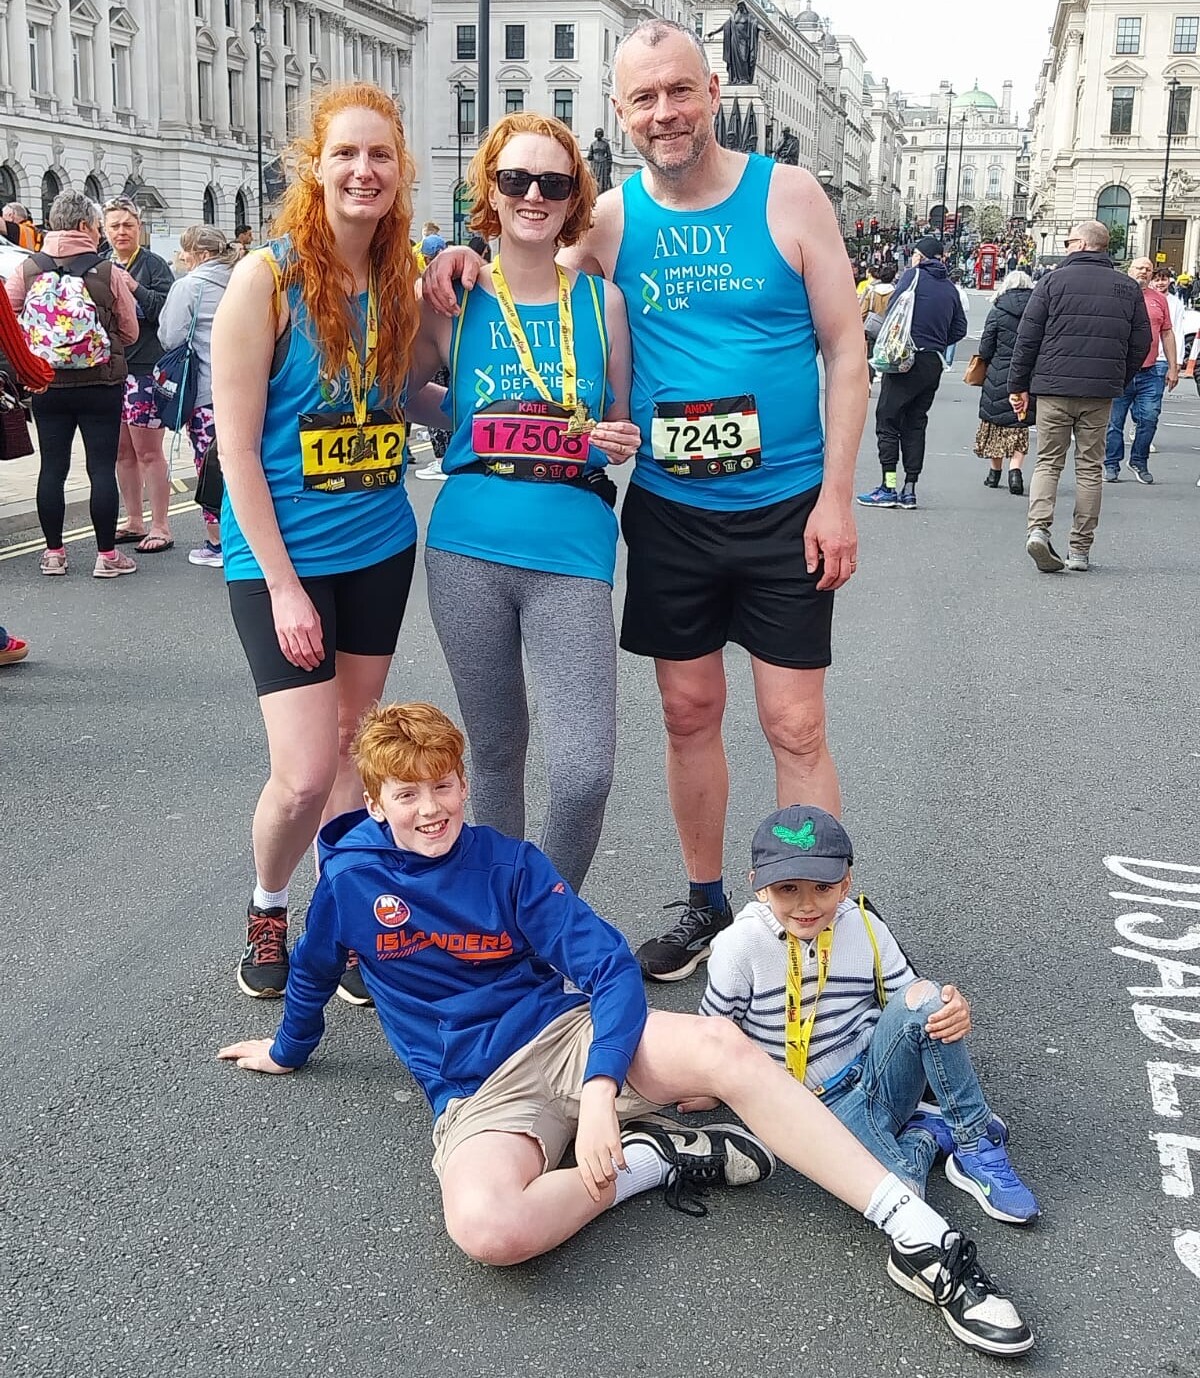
(579, 421)
(797, 1029)
(362, 373)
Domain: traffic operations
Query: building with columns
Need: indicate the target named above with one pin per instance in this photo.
(1101, 116)
(985, 141)
(158, 97)
(885, 200)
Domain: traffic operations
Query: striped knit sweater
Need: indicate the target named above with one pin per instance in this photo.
(747, 982)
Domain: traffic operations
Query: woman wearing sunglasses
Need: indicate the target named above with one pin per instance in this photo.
(522, 541)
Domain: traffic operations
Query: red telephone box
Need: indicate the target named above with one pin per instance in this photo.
(985, 266)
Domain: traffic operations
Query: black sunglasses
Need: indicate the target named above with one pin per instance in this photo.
(515, 181)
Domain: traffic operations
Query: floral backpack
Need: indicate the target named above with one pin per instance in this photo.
(59, 317)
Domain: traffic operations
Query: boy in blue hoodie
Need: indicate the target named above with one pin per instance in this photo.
(464, 939)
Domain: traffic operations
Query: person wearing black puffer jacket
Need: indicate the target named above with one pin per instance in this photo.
(1084, 335)
(1002, 435)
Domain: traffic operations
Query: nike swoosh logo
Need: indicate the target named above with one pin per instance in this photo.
(987, 1190)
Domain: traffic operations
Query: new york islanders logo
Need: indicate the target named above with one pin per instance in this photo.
(391, 911)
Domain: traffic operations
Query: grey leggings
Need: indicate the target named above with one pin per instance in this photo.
(483, 612)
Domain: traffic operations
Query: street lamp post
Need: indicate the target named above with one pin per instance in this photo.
(946, 167)
(962, 130)
(1172, 87)
(258, 33)
(459, 89)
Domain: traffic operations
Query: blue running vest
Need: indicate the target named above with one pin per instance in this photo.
(543, 526)
(325, 533)
(716, 311)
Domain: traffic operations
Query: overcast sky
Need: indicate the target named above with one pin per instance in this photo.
(924, 46)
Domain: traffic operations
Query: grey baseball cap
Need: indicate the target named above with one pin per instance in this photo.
(800, 842)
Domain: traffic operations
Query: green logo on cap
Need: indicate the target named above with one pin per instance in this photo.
(805, 838)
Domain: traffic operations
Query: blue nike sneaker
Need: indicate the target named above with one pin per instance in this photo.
(877, 497)
(928, 1116)
(907, 499)
(986, 1174)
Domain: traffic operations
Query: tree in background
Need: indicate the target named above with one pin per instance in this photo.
(1116, 240)
(991, 222)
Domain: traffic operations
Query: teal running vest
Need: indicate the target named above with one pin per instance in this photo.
(543, 526)
(724, 351)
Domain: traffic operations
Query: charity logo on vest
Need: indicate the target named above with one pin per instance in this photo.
(707, 247)
(506, 380)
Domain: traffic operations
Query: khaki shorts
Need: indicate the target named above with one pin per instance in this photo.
(536, 1093)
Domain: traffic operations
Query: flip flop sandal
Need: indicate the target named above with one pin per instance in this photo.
(126, 537)
(154, 545)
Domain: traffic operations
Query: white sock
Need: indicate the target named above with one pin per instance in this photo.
(269, 899)
(647, 1169)
(903, 1216)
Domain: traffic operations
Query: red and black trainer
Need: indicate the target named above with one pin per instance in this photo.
(263, 971)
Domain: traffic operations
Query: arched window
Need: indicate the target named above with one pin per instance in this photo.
(994, 176)
(8, 185)
(939, 180)
(209, 212)
(968, 181)
(241, 215)
(93, 190)
(51, 186)
(1112, 207)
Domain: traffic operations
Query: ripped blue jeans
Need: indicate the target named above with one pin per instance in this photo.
(876, 1100)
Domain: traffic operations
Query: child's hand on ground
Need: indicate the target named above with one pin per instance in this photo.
(694, 1104)
(254, 1054)
(598, 1150)
(953, 1020)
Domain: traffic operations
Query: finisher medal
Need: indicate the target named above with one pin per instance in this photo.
(580, 422)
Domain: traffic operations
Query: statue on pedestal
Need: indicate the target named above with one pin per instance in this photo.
(599, 157)
(739, 45)
(789, 149)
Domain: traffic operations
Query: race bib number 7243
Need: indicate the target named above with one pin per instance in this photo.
(707, 439)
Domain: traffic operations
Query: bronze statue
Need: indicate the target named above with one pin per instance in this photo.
(739, 45)
(789, 149)
(599, 157)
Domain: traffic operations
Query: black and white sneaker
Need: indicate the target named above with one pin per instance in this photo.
(681, 949)
(718, 1155)
(263, 971)
(977, 1312)
(352, 988)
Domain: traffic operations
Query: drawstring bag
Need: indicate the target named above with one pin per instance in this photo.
(894, 350)
(15, 440)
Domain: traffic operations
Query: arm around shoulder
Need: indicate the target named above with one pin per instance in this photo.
(620, 359)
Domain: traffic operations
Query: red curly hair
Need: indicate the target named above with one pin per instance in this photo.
(480, 175)
(302, 217)
(406, 741)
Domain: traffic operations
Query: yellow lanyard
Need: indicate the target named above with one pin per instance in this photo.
(566, 340)
(798, 1031)
(363, 372)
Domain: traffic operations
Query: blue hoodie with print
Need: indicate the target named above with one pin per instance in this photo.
(464, 955)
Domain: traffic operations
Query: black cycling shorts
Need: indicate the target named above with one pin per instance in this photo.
(697, 579)
(360, 611)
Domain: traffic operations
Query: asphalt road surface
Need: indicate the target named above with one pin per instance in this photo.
(999, 733)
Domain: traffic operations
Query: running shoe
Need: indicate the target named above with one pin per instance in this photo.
(877, 497)
(1041, 552)
(1111, 475)
(718, 1155)
(928, 1116)
(1079, 561)
(54, 562)
(681, 949)
(207, 554)
(949, 1277)
(907, 499)
(12, 650)
(263, 971)
(986, 1173)
(1142, 475)
(433, 471)
(113, 566)
(352, 988)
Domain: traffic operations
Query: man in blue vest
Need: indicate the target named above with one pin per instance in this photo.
(739, 517)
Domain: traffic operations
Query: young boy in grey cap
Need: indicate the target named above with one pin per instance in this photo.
(817, 979)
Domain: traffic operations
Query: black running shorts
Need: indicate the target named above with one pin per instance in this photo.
(360, 614)
(697, 579)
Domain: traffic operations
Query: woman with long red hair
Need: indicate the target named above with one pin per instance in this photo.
(35, 374)
(310, 351)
